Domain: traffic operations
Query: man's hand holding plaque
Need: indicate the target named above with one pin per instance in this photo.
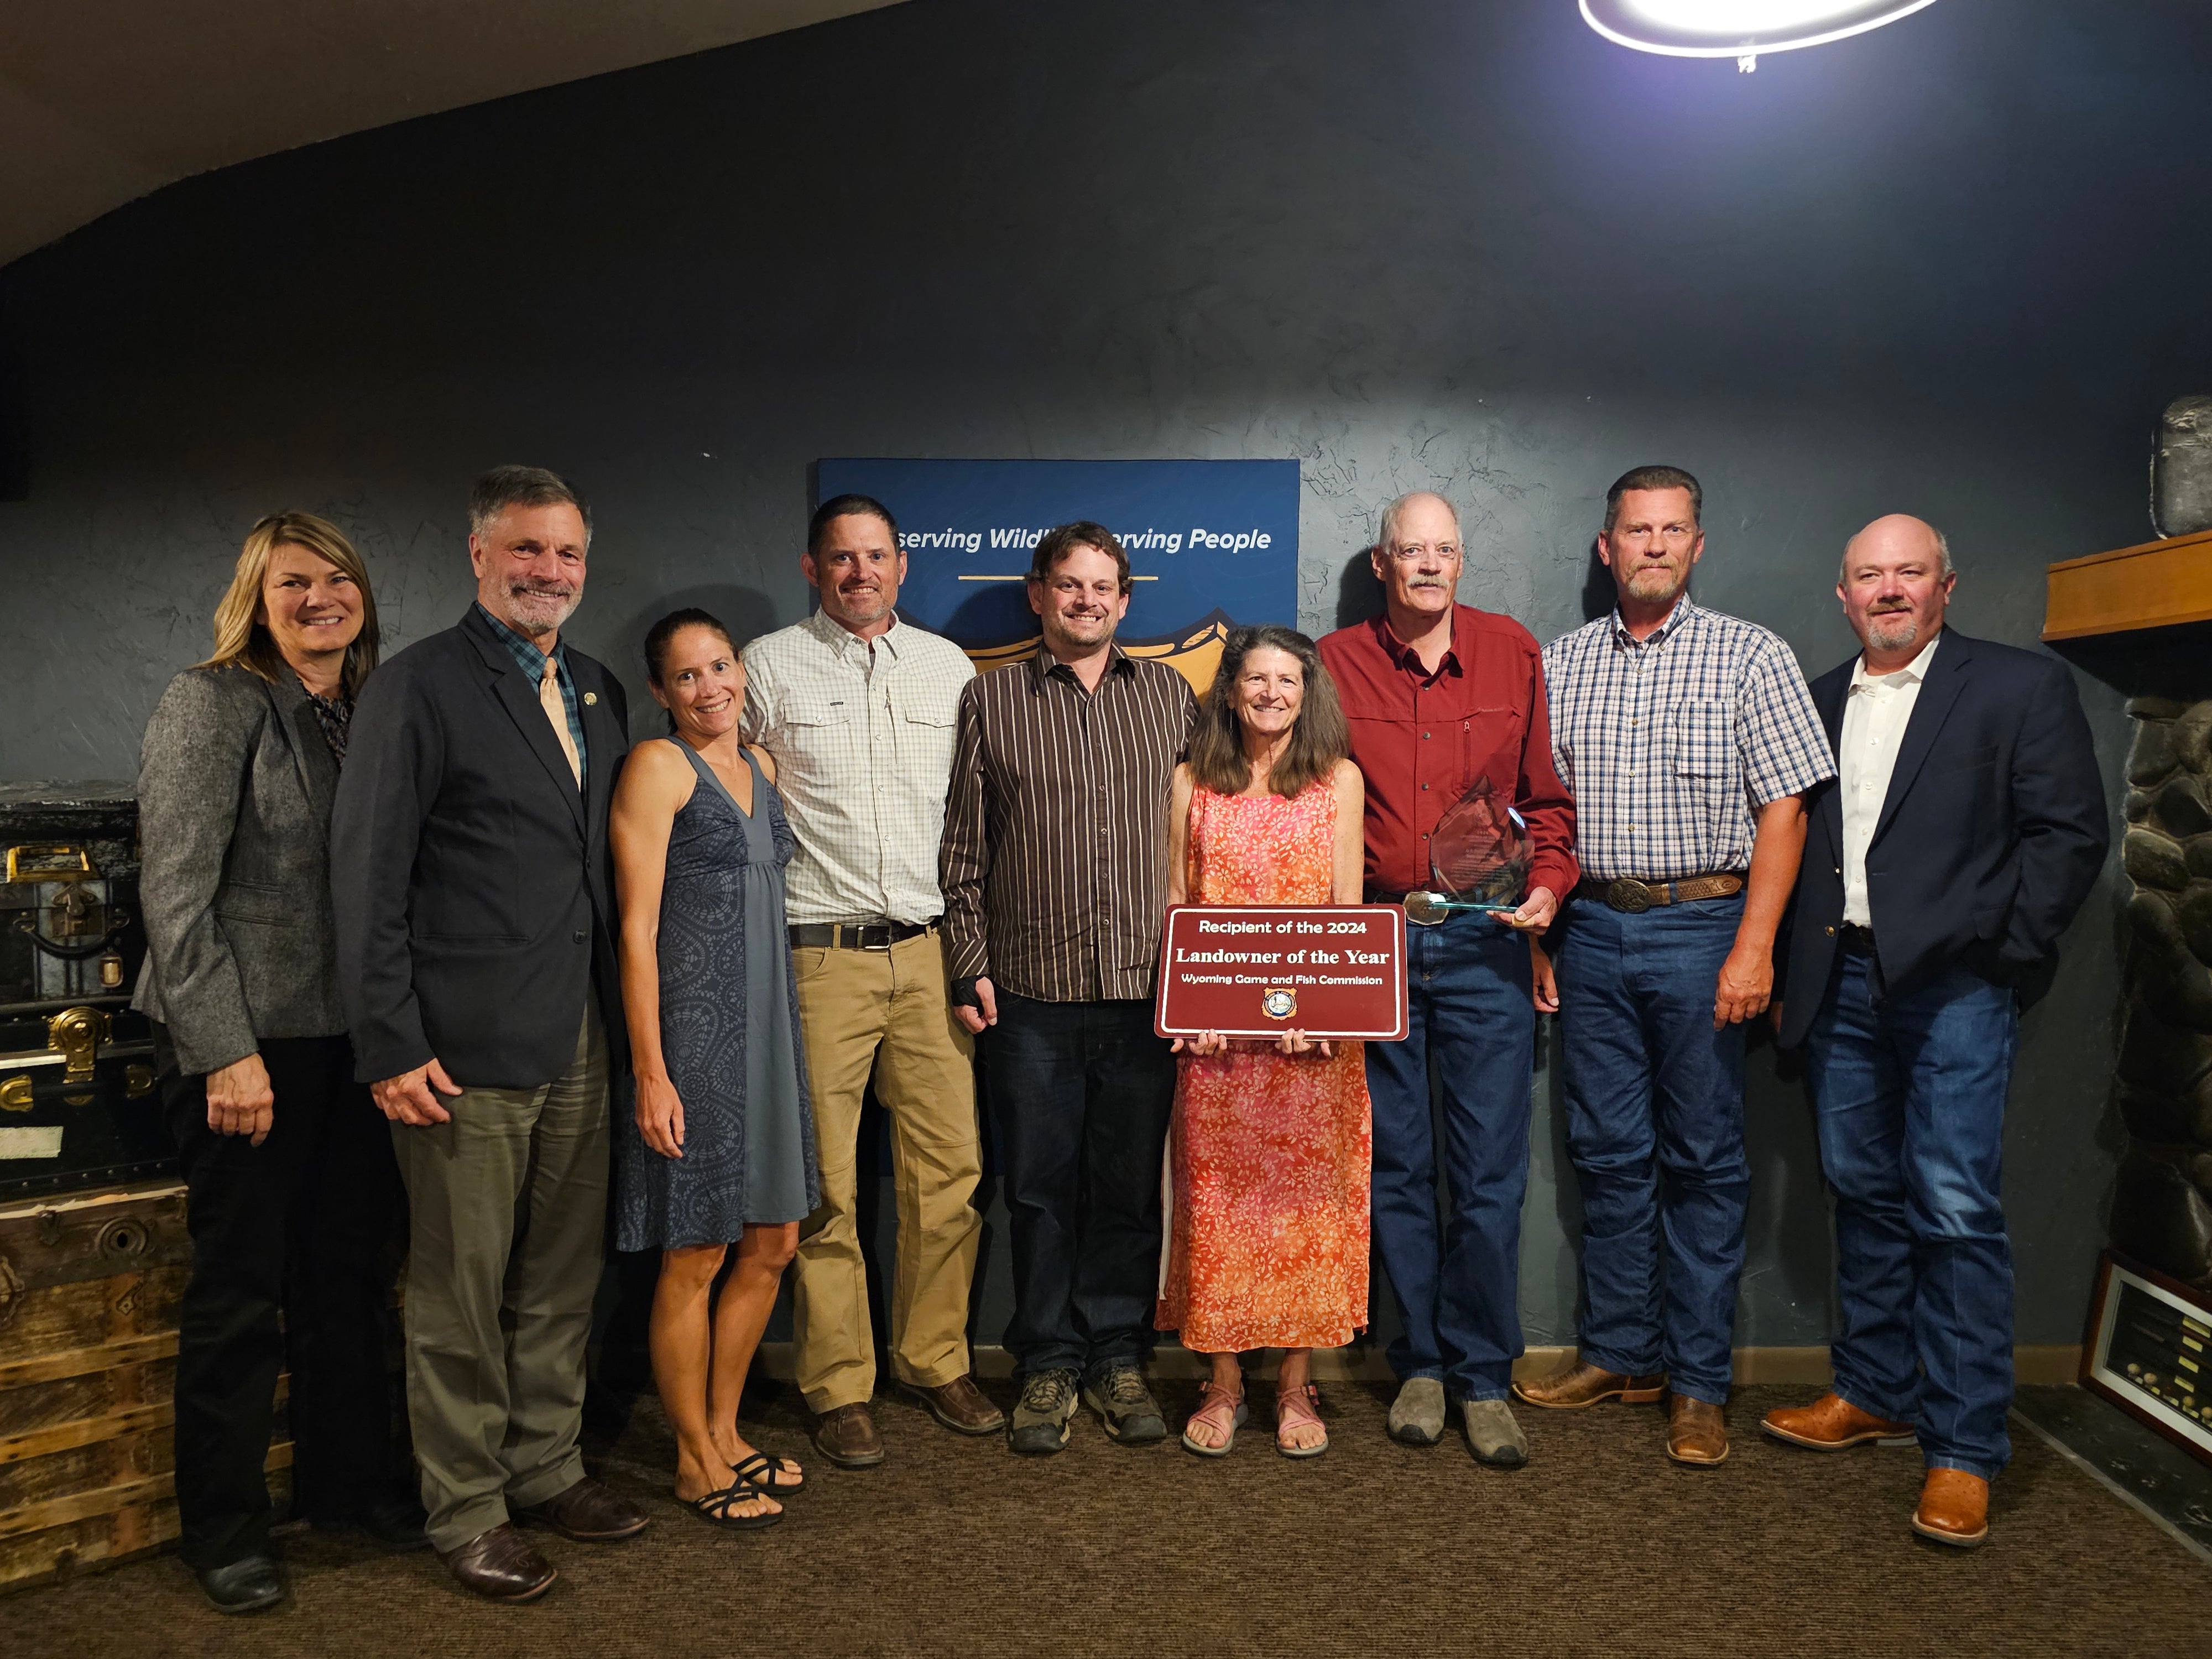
(1479, 860)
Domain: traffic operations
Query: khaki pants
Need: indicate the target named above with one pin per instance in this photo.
(887, 1012)
(508, 1204)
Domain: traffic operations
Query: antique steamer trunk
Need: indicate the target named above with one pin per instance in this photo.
(89, 1284)
(77, 1104)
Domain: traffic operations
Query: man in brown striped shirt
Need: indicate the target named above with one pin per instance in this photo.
(1055, 872)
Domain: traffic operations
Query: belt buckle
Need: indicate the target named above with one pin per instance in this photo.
(1629, 894)
(884, 928)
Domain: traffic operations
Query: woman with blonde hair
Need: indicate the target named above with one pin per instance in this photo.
(1269, 1150)
(294, 1191)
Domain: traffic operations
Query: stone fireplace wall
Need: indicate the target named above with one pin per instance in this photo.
(2162, 1195)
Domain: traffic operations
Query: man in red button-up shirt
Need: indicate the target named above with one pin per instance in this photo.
(1441, 696)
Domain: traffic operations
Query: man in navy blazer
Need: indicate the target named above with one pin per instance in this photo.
(474, 896)
(1965, 827)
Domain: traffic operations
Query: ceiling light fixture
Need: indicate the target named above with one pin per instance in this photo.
(1741, 29)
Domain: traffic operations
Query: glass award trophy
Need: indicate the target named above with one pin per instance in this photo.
(1478, 859)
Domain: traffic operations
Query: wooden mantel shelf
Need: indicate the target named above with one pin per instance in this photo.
(2152, 586)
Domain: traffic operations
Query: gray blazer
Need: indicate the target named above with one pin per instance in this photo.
(234, 789)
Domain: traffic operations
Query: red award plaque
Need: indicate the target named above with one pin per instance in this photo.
(1255, 970)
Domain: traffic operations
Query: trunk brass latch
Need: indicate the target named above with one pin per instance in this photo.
(77, 1034)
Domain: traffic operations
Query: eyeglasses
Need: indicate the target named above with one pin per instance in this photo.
(1413, 554)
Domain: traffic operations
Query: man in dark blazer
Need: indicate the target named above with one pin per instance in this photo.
(476, 931)
(1963, 831)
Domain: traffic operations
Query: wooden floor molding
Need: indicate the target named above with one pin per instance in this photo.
(2033, 1363)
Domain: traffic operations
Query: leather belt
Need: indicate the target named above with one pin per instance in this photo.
(1631, 896)
(1856, 941)
(854, 935)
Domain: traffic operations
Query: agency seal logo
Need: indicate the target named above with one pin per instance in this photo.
(1279, 1002)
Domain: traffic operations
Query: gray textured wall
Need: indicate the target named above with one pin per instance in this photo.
(1945, 268)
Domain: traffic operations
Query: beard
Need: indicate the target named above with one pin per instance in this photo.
(1655, 584)
(1893, 630)
(1081, 630)
(541, 610)
(862, 604)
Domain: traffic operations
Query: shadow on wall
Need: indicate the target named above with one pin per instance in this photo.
(747, 613)
(1599, 596)
(1359, 592)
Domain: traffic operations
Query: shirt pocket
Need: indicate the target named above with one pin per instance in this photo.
(1490, 744)
(254, 901)
(821, 709)
(928, 727)
(819, 736)
(1701, 740)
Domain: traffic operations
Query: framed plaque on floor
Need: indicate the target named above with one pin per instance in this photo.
(2150, 1351)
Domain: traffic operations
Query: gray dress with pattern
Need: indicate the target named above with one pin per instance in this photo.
(729, 1033)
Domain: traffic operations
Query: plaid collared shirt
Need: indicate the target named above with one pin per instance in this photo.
(862, 733)
(1672, 745)
(531, 661)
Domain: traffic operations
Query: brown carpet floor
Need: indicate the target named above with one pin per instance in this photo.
(953, 1546)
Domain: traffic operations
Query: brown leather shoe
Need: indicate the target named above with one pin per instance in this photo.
(500, 1566)
(591, 1512)
(845, 1435)
(1697, 1433)
(1832, 1424)
(960, 1406)
(1954, 1507)
(1584, 1384)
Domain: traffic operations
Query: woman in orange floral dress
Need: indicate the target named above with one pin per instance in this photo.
(1269, 1152)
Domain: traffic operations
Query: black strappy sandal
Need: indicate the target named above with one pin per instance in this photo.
(762, 1469)
(714, 1507)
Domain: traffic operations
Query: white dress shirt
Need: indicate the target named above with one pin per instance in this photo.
(1876, 712)
(862, 734)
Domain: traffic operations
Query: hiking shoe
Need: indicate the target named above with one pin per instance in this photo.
(1492, 1435)
(1416, 1416)
(1125, 1405)
(1039, 1425)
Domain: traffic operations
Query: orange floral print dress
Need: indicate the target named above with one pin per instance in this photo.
(1268, 1158)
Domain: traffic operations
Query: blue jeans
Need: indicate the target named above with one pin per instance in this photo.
(1468, 983)
(1654, 1131)
(1909, 1093)
(1080, 1093)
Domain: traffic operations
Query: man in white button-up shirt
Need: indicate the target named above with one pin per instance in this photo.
(1965, 826)
(859, 709)
(1876, 715)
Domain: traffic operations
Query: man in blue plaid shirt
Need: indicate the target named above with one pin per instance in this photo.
(1689, 739)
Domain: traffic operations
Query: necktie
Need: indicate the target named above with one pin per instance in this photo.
(548, 699)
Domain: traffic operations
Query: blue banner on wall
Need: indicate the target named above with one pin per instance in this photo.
(1211, 545)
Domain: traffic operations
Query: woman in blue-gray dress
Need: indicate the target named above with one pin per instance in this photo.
(720, 1151)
